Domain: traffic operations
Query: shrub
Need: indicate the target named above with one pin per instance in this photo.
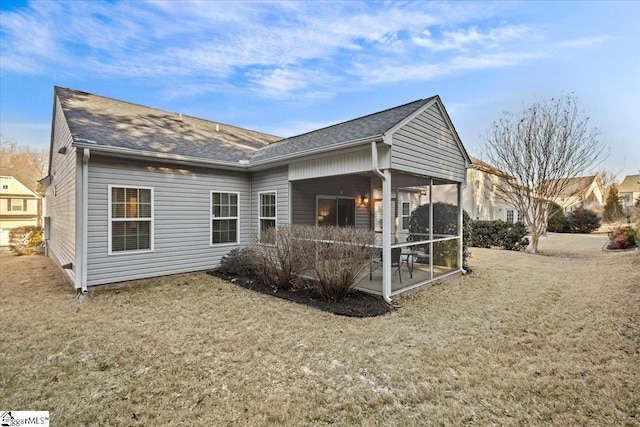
(488, 234)
(337, 256)
(582, 220)
(26, 239)
(557, 222)
(279, 256)
(620, 241)
(623, 237)
(466, 239)
(239, 261)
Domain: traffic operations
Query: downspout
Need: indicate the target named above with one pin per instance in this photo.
(386, 224)
(85, 221)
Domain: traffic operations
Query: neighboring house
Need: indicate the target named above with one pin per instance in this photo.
(19, 202)
(585, 192)
(481, 198)
(135, 192)
(629, 190)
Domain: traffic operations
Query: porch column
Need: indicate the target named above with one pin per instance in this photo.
(386, 235)
(460, 225)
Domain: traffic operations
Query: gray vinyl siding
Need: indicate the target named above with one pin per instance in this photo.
(270, 180)
(427, 146)
(61, 195)
(303, 196)
(338, 164)
(182, 217)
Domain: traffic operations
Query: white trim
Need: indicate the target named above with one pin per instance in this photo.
(211, 218)
(112, 220)
(260, 217)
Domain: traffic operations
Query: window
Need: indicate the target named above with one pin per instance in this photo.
(520, 217)
(224, 218)
(406, 214)
(267, 212)
(16, 205)
(510, 216)
(5, 186)
(339, 211)
(130, 219)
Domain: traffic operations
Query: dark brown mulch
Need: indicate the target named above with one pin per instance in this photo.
(357, 304)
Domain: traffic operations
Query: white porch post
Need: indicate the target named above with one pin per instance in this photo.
(460, 225)
(386, 235)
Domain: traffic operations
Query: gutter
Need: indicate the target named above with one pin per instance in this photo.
(129, 153)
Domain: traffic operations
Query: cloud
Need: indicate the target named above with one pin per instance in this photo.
(465, 39)
(280, 50)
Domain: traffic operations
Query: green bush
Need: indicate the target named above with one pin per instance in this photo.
(26, 239)
(581, 220)
(557, 222)
(489, 234)
(240, 262)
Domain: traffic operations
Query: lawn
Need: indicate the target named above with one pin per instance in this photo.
(549, 339)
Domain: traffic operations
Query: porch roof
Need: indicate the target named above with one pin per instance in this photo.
(362, 128)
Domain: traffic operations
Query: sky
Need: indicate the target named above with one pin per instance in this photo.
(288, 67)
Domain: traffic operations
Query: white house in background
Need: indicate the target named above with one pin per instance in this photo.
(480, 197)
(585, 192)
(18, 202)
(629, 190)
(136, 192)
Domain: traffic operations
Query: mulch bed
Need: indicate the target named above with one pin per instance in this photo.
(357, 304)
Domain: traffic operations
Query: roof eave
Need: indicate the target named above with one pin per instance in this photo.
(128, 153)
(286, 159)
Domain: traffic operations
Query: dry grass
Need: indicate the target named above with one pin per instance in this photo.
(551, 339)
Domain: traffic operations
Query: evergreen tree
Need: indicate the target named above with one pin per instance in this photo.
(613, 205)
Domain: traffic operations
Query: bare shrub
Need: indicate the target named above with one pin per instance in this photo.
(278, 256)
(337, 256)
(239, 261)
(26, 239)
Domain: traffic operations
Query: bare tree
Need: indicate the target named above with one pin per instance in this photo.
(540, 149)
(32, 163)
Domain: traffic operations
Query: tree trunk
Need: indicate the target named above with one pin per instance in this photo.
(535, 237)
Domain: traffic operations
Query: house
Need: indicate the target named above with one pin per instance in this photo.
(629, 190)
(585, 192)
(480, 197)
(136, 192)
(19, 202)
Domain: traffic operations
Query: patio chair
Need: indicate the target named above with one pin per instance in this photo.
(396, 261)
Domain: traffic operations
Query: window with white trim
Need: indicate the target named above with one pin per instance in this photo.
(510, 216)
(520, 217)
(267, 212)
(17, 205)
(406, 215)
(130, 219)
(224, 217)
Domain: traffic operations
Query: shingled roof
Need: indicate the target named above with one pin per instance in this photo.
(24, 176)
(631, 184)
(112, 124)
(369, 126)
(109, 123)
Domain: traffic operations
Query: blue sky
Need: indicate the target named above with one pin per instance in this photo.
(289, 67)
